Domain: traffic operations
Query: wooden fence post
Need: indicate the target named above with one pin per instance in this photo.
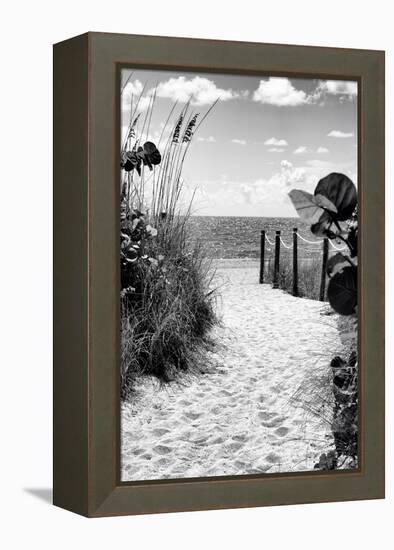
(323, 270)
(262, 252)
(295, 262)
(277, 258)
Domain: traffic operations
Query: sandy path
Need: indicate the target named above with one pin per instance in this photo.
(240, 418)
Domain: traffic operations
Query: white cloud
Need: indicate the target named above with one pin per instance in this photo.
(338, 87)
(317, 163)
(209, 139)
(300, 150)
(340, 134)
(276, 142)
(279, 92)
(239, 141)
(259, 197)
(134, 87)
(275, 189)
(201, 91)
(275, 150)
(264, 197)
(282, 93)
(132, 93)
(247, 192)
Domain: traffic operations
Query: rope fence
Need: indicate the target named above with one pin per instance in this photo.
(269, 242)
(285, 245)
(317, 242)
(276, 244)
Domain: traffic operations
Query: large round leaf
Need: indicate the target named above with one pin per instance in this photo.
(342, 291)
(336, 263)
(341, 191)
(306, 206)
(128, 160)
(324, 223)
(314, 209)
(152, 153)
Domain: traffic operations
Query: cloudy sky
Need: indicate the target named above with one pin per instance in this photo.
(264, 137)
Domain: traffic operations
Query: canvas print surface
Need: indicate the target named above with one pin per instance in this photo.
(238, 257)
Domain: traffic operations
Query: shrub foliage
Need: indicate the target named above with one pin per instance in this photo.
(332, 212)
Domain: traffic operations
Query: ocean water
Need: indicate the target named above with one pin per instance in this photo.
(239, 237)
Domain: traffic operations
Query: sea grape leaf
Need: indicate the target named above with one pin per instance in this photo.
(137, 214)
(340, 191)
(342, 291)
(148, 155)
(125, 239)
(152, 153)
(336, 263)
(135, 223)
(131, 251)
(128, 160)
(306, 206)
(321, 227)
(325, 203)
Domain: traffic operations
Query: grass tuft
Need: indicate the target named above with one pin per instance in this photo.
(167, 300)
(309, 275)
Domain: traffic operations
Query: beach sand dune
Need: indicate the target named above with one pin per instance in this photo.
(240, 417)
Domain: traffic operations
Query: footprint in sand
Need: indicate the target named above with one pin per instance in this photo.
(271, 420)
(137, 452)
(200, 441)
(274, 422)
(263, 468)
(216, 441)
(277, 388)
(226, 393)
(265, 415)
(282, 431)
(273, 458)
(240, 437)
(235, 446)
(146, 456)
(159, 432)
(192, 415)
(162, 449)
(162, 462)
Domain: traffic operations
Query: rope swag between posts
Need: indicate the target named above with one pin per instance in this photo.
(276, 244)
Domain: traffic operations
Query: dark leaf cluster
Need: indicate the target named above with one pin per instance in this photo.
(148, 155)
(331, 211)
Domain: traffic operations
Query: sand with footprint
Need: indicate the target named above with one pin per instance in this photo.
(246, 415)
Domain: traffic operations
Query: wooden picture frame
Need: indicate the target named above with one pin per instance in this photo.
(86, 274)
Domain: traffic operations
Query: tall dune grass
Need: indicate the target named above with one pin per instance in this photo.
(167, 302)
(309, 275)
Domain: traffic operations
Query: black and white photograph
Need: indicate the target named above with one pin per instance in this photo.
(238, 267)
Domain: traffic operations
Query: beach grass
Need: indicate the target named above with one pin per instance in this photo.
(309, 275)
(166, 320)
(167, 301)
